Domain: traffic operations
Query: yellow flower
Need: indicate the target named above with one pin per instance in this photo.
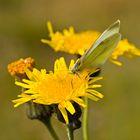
(18, 67)
(126, 49)
(69, 41)
(77, 43)
(60, 87)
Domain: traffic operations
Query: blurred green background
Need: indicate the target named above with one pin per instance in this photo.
(23, 24)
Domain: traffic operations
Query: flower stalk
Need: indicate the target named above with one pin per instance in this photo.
(70, 132)
(43, 114)
(85, 120)
(47, 123)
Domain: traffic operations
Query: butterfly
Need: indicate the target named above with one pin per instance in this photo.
(100, 51)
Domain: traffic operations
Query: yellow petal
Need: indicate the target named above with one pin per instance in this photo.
(64, 113)
(22, 84)
(20, 101)
(46, 41)
(93, 79)
(49, 25)
(116, 62)
(70, 107)
(94, 92)
(30, 91)
(29, 74)
(92, 97)
(27, 81)
(79, 101)
(94, 86)
(71, 64)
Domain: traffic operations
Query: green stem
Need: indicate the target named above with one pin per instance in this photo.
(85, 120)
(50, 128)
(70, 133)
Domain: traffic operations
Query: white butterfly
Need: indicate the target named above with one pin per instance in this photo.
(101, 49)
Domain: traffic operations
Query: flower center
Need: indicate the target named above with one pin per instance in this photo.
(61, 87)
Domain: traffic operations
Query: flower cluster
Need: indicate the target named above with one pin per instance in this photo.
(17, 68)
(77, 43)
(64, 89)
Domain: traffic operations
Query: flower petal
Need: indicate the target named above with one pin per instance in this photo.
(70, 107)
(64, 113)
(22, 84)
(92, 97)
(93, 79)
(94, 92)
(79, 101)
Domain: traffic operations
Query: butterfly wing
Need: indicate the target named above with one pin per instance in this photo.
(98, 53)
(101, 53)
(111, 30)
